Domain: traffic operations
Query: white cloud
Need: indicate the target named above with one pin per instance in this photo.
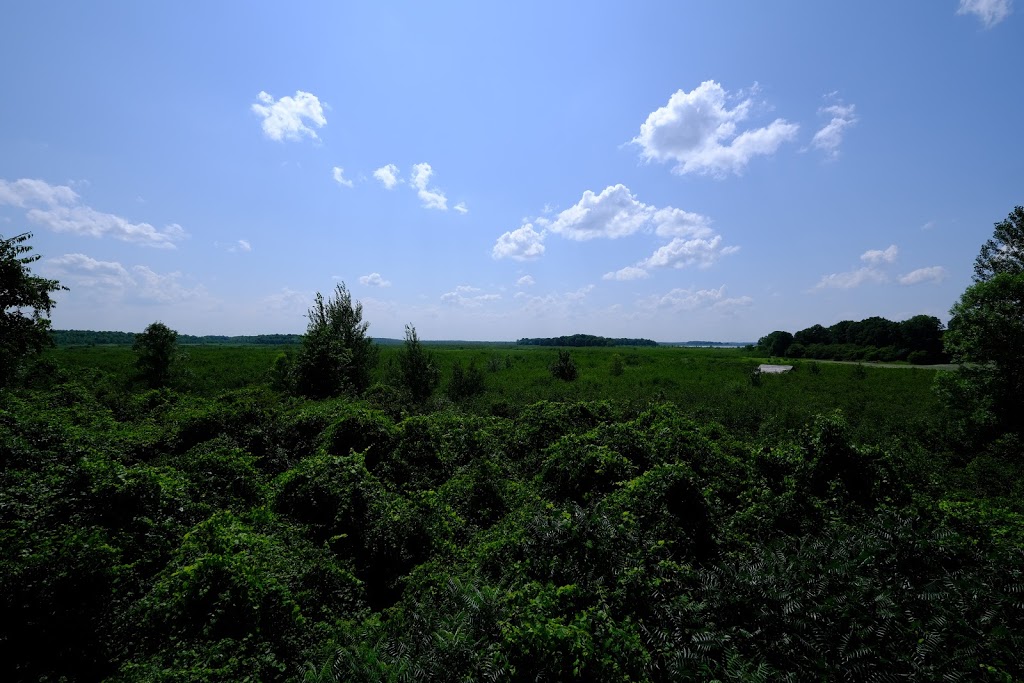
(928, 226)
(933, 274)
(851, 279)
(627, 273)
(374, 280)
(84, 220)
(432, 198)
(387, 175)
(461, 208)
(521, 244)
(458, 297)
(616, 212)
(678, 300)
(829, 138)
(680, 253)
(989, 12)
(62, 212)
(86, 271)
(285, 119)
(613, 213)
(525, 281)
(31, 192)
(140, 282)
(338, 173)
(672, 222)
(878, 256)
(241, 246)
(698, 132)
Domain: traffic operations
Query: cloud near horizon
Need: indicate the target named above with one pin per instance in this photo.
(139, 283)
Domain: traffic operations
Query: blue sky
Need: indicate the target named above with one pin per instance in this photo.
(670, 170)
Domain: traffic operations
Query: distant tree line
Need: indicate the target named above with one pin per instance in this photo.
(917, 340)
(583, 340)
(92, 338)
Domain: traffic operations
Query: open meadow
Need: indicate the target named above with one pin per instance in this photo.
(714, 384)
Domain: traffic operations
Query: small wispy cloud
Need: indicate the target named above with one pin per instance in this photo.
(932, 274)
(988, 12)
(338, 173)
(829, 137)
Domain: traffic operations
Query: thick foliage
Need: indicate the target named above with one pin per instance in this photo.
(337, 356)
(24, 301)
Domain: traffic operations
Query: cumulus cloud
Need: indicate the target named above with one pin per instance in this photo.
(338, 173)
(139, 282)
(933, 274)
(615, 212)
(699, 132)
(851, 279)
(877, 256)
(461, 208)
(830, 137)
(680, 253)
(989, 12)
(374, 280)
(387, 175)
(27, 192)
(521, 244)
(286, 118)
(432, 198)
(525, 281)
(58, 208)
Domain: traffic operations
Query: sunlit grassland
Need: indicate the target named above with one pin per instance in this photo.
(711, 384)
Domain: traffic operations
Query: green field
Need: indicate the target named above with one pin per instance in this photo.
(711, 384)
(668, 515)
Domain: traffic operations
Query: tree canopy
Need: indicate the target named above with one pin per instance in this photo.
(1004, 251)
(25, 305)
(337, 355)
(155, 350)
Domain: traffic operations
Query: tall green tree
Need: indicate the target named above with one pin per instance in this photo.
(775, 343)
(417, 368)
(337, 355)
(25, 305)
(1004, 251)
(986, 334)
(155, 352)
(986, 329)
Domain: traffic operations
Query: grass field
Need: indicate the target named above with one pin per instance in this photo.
(711, 384)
